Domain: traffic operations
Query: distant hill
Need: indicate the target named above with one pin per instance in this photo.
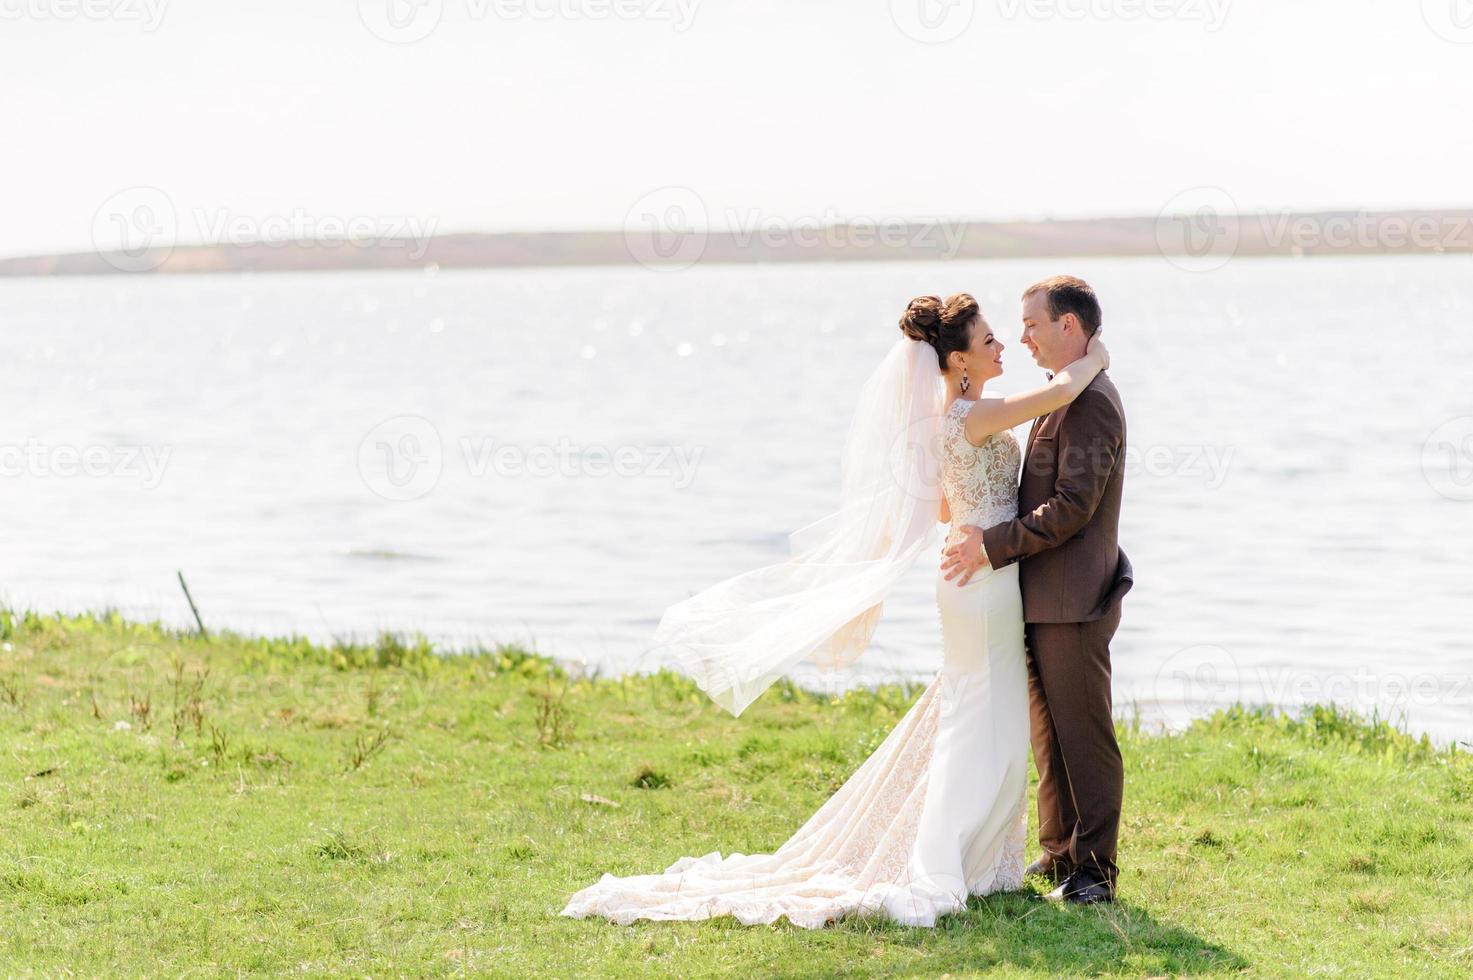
(1201, 239)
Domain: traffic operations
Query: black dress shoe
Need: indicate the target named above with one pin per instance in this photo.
(1049, 868)
(1082, 888)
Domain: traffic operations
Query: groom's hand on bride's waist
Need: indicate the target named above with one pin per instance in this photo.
(966, 557)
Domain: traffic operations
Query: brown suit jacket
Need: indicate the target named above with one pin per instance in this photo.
(1067, 530)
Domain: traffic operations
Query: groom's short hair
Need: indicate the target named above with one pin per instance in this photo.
(1070, 294)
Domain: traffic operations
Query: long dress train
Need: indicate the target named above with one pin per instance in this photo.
(938, 811)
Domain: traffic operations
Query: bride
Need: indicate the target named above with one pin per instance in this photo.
(938, 811)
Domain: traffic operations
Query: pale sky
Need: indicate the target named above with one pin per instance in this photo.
(535, 114)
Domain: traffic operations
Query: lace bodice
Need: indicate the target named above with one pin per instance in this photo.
(980, 482)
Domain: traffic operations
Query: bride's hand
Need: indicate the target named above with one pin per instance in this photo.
(966, 558)
(1098, 349)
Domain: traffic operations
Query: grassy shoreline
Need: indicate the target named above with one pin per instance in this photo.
(187, 806)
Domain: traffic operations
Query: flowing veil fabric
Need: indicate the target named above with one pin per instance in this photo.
(739, 636)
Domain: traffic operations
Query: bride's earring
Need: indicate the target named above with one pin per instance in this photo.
(966, 381)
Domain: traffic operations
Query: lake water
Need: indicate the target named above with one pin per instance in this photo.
(552, 457)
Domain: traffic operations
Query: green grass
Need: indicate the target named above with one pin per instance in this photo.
(179, 806)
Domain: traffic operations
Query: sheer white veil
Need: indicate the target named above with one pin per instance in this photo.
(739, 636)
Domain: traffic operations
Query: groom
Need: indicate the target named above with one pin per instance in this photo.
(1073, 575)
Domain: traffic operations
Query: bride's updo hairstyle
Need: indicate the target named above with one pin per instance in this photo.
(946, 326)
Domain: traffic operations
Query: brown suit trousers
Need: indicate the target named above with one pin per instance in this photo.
(1073, 576)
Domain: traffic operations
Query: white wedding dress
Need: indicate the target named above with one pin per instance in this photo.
(938, 811)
